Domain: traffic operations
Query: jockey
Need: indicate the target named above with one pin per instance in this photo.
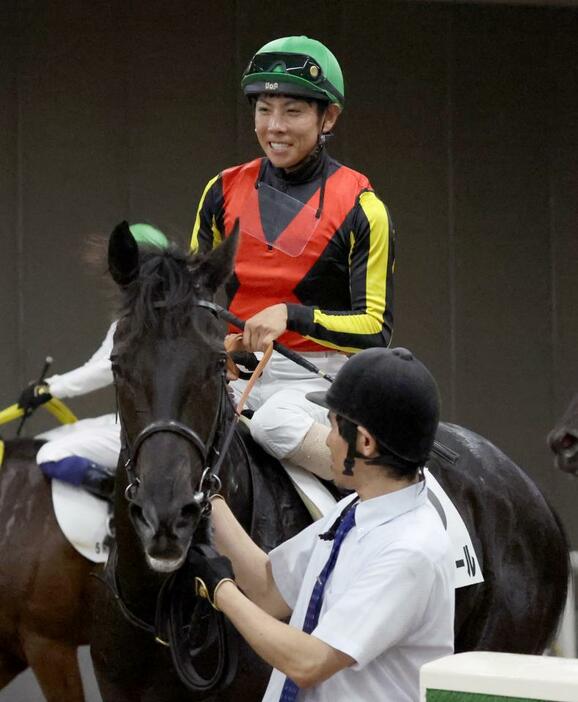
(315, 259)
(85, 453)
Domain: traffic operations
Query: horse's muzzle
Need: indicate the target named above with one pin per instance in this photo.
(166, 539)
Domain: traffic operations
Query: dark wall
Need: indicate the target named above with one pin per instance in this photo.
(465, 117)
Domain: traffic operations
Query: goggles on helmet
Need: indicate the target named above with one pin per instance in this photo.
(298, 65)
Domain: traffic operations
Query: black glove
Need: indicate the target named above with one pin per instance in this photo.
(210, 570)
(34, 395)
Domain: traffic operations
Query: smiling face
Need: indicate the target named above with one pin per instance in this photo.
(288, 128)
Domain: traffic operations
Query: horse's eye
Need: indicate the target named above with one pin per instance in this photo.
(221, 363)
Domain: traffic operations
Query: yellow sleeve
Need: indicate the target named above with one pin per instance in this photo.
(208, 227)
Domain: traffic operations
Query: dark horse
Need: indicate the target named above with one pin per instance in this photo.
(44, 582)
(168, 360)
(563, 439)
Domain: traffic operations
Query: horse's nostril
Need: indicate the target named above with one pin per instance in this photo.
(189, 513)
(567, 441)
(138, 516)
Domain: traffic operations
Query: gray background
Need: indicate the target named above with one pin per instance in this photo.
(464, 116)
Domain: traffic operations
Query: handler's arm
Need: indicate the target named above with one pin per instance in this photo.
(251, 565)
(302, 657)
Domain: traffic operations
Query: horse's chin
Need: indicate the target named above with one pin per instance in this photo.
(165, 565)
(164, 558)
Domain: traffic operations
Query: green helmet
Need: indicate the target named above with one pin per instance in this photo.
(297, 66)
(146, 235)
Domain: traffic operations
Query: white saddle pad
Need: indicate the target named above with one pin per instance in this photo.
(319, 502)
(83, 519)
(468, 571)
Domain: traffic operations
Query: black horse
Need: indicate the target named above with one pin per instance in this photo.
(168, 361)
(563, 439)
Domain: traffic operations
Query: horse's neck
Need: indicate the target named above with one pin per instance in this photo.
(238, 483)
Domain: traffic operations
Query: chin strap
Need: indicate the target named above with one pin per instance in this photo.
(349, 433)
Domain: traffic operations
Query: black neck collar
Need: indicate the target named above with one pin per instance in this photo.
(309, 169)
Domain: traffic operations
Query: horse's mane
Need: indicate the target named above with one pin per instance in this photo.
(162, 294)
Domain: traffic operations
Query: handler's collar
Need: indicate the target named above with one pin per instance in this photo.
(385, 508)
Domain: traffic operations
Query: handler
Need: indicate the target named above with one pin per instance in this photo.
(314, 266)
(85, 453)
(369, 587)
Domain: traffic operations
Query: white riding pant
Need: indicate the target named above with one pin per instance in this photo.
(282, 415)
(97, 439)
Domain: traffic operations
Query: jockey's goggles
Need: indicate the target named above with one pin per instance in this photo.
(295, 65)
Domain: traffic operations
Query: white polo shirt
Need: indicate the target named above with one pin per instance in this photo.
(389, 603)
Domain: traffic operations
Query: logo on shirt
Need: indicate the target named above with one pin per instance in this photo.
(271, 86)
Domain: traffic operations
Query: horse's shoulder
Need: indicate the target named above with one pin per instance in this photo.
(280, 512)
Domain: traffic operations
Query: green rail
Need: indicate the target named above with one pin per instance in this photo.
(452, 696)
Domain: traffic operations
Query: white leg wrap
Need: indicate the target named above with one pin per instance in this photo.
(313, 454)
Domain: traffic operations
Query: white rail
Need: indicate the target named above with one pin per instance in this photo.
(565, 644)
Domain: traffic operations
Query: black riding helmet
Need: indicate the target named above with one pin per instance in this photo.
(394, 396)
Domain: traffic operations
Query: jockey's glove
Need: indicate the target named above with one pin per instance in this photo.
(210, 570)
(34, 395)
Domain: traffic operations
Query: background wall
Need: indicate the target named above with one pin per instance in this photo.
(465, 117)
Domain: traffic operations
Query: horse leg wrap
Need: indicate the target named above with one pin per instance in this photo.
(312, 453)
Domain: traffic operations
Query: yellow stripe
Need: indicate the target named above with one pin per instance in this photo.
(371, 321)
(58, 409)
(1, 452)
(337, 347)
(216, 233)
(10, 413)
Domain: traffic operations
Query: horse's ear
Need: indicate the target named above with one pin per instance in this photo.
(123, 261)
(217, 266)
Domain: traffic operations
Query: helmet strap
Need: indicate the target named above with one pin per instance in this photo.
(323, 137)
(349, 433)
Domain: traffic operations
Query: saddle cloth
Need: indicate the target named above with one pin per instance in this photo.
(83, 519)
(319, 501)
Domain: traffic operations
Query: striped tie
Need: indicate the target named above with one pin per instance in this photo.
(290, 689)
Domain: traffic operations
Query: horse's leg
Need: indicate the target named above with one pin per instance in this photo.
(55, 665)
(10, 667)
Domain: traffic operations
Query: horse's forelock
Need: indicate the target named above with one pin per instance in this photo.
(164, 291)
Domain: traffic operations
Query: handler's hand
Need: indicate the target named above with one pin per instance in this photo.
(211, 571)
(264, 327)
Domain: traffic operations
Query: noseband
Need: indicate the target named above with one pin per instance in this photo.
(211, 450)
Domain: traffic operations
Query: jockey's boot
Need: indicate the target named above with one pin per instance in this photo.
(99, 481)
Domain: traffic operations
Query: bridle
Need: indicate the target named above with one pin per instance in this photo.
(212, 451)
